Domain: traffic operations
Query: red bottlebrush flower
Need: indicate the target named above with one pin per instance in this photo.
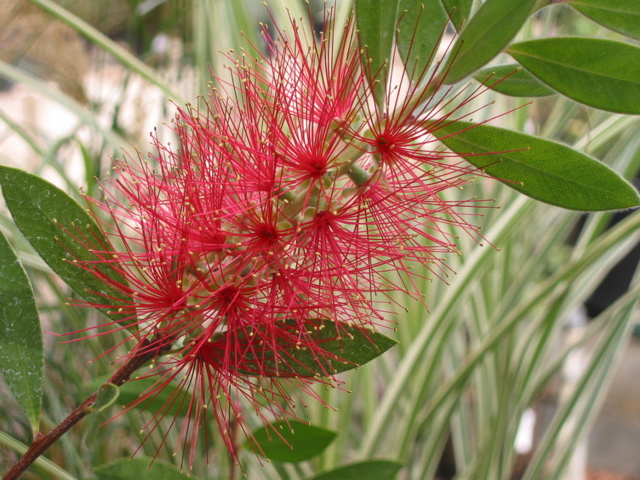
(291, 199)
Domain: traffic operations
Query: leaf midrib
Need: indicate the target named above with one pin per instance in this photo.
(571, 67)
(531, 167)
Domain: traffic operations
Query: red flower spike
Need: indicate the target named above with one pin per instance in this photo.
(290, 199)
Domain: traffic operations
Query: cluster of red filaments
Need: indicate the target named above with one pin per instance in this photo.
(292, 203)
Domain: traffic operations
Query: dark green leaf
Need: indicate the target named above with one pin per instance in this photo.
(486, 34)
(459, 10)
(376, 22)
(512, 80)
(369, 470)
(140, 468)
(599, 73)
(542, 169)
(621, 16)
(419, 34)
(21, 355)
(56, 225)
(290, 442)
(168, 399)
(324, 348)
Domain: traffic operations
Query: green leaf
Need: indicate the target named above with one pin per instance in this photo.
(599, 73)
(21, 354)
(140, 468)
(542, 169)
(54, 223)
(167, 399)
(369, 469)
(419, 33)
(486, 34)
(108, 393)
(376, 22)
(459, 10)
(328, 349)
(512, 80)
(621, 16)
(290, 441)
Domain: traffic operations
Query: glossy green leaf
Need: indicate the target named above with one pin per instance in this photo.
(54, 225)
(290, 442)
(168, 399)
(140, 468)
(512, 80)
(376, 22)
(486, 34)
(542, 169)
(599, 73)
(335, 349)
(621, 16)
(369, 469)
(458, 10)
(419, 32)
(21, 355)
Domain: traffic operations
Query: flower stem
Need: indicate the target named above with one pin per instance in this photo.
(42, 442)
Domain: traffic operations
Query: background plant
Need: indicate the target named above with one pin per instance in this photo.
(467, 370)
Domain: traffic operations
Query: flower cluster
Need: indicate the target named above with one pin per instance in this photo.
(292, 203)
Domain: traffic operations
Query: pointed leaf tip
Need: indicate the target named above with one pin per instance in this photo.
(330, 348)
(512, 80)
(291, 441)
(544, 170)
